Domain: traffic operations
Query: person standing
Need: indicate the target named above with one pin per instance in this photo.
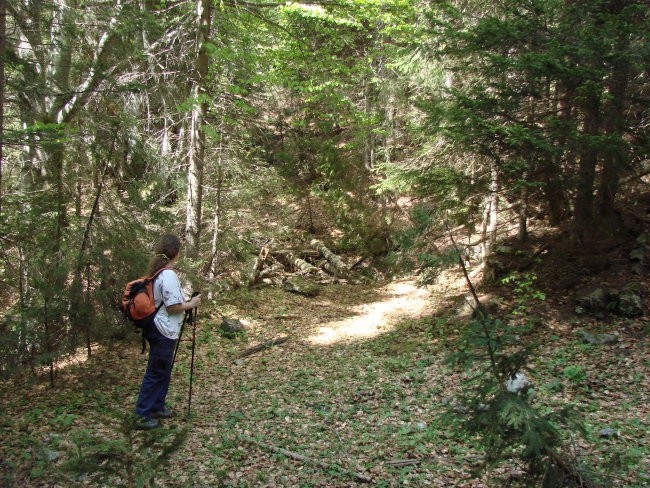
(162, 334)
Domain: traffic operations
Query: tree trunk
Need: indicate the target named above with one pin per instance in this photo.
(554, 192)
(197, 134)
(614, 158)
(370, 138)
(258, 265)
(79, 318)
(494, 205)
(292, 262)
(3, 46)
(522, 232)
(210, 265)
(485, 246)
(584, 204)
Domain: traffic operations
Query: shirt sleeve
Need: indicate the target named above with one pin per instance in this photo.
(172, 293)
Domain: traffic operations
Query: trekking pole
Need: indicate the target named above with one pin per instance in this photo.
(178, 342)
(193, 316)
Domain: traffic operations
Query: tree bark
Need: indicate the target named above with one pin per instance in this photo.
(3, 48)
(584, 204)
(494, 206)
(614, 158)
(337, 267)
(197, 134)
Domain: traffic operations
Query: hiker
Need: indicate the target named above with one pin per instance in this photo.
(163, 333)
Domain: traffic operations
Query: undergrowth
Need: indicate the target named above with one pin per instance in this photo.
(356, 404)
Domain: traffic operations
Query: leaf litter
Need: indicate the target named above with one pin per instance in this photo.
(360, 387)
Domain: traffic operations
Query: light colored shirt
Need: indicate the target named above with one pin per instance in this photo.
(167, 289)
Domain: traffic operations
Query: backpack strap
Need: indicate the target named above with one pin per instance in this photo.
(152, 278)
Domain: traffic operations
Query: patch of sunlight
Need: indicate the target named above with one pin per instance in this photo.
(79, 356)
(403, 300)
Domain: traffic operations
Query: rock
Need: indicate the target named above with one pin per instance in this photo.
(458, 408)
(497, 266)
(231, 327)
(598, 339)
(503, 249)
(637, 254)
(555, 385)
(489, 303)
(519, 383)
(592, 302)
(301, 286)
(47, 454)
(630, 303)
(455, 405)
(607, 433)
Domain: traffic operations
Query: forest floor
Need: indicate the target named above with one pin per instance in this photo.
(360, 385)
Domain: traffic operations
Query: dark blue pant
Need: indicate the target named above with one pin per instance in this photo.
(158, 374)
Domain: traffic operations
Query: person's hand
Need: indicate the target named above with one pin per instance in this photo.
(194, 301)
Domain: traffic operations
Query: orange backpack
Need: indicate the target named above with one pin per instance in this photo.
(138, 302)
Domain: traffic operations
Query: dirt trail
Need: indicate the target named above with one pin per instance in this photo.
(301, 396)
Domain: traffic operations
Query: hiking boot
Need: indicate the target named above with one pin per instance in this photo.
(147, 424)
(165, 413)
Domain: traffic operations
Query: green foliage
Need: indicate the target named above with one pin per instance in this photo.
(507, 64)
(135, 458)
(574, 373)
(509, 423)
(413, 249)
(525, 292)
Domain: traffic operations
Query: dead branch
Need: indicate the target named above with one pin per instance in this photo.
(531, 261)
(571, 471)
(479, 306)
(264, 345)
(359, 262)
(259, 264)
(398, 463)
(299, 457)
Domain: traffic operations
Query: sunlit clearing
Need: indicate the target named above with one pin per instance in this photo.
(403, 300)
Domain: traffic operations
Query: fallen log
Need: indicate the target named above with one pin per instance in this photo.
(300, 457)
(336, 264)
(293, 262)
(272, 275)
(264, 345)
